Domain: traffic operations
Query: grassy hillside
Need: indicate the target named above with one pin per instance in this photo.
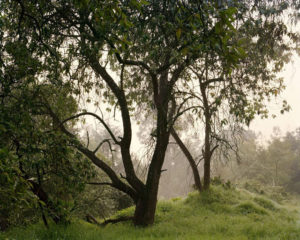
(218, 214)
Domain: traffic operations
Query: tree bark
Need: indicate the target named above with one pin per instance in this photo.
(147, 201)
(206, 172)
(145, 210)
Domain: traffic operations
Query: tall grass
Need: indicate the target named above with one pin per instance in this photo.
(219, 214)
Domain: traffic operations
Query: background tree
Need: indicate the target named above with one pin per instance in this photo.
(271, 168)
(226, 91)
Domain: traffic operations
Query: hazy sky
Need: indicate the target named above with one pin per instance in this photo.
(289, 121)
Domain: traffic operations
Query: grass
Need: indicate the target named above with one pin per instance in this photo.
(218, 214)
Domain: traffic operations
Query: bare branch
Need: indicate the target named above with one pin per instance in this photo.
(120, 95)
(101, 143)
(193, 95)
(209, 81)
(183, 111)
(96, 116)
(130, 62)
(122, 176)
(214, 148)
(200, 159)
(122, 76)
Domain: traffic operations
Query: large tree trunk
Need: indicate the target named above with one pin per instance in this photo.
(145, 209)
(147, 201)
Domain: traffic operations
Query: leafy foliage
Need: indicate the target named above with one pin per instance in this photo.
(38, 166)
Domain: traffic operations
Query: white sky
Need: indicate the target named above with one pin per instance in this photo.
(289, 121)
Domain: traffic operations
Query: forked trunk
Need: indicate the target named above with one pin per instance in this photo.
(147, 201)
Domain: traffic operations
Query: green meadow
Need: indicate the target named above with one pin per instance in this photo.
(221, 213)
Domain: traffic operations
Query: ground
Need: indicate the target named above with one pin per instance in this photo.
(221, 214)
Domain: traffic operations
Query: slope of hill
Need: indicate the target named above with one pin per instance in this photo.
(222, 213)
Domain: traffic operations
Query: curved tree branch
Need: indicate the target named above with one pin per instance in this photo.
(127, 130)
(100, 120)
(190, 158)
(116, 181)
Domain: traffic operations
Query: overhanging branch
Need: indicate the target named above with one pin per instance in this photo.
(116, 182)
(100, 120)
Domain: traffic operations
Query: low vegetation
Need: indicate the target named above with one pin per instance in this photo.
(221, 213)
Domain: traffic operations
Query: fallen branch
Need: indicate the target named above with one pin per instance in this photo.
(113, 221)
(91, 219)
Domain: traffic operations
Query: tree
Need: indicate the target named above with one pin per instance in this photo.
(30, 153)
(227, 92)
(35, 154)
(148, 45)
